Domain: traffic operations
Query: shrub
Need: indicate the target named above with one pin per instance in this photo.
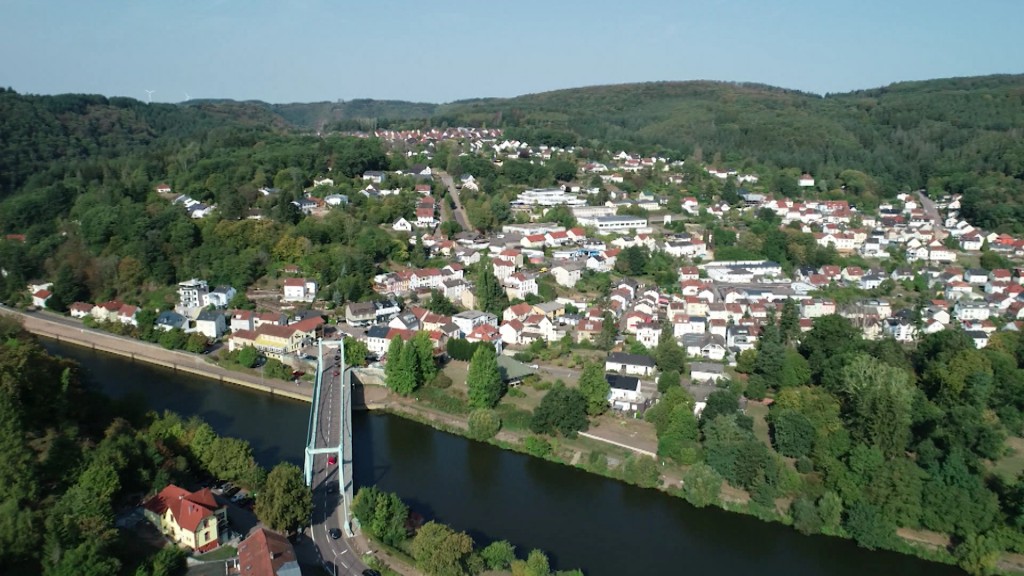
(442, 381)
(537, 446)
(484, 423)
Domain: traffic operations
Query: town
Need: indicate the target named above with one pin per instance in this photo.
(579, 278)
(595, 302)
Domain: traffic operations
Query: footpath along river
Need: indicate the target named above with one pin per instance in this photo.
(599, 525)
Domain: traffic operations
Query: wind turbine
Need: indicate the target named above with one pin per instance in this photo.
(149, 96)
(187, 97)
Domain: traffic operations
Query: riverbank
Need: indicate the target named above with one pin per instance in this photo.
(73, 332)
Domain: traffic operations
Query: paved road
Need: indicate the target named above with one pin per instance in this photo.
(339, 556)
(460, 211)
(933, 213)
(56, 326)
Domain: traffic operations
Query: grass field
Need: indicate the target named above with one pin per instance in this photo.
(759, 412)
(1012, 464)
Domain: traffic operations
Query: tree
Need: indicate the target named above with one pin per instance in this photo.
(499, 555)
(679, 441)
(793, 434)
(276, 369)
(595, 388)
(609, 331)
(285, 502)
(248, 356)
(806, 518)
(462, 349)
(668, 380)
(668, 355)
(490, 295)
(484, 423)
(196, 343)
(231, 459)
(382, 514)
(68, 288)
(173, 339)
(484, 379)
(440, 551)
(701, 485)
(880, 401)
(356, 352)
(720, 403)
(562, 410)
(869, 527)
(426, 366)
(439, 304)
(978, 554)
(397, 374)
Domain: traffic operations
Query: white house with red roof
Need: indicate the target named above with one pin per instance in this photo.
(39, 298)
(520, 285)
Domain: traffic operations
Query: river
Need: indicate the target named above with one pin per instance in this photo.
(581, 520)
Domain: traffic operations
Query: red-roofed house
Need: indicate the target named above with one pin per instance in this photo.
(40, 297)
(80, 309)
(266, 553)
(189, 518)
(486, 333)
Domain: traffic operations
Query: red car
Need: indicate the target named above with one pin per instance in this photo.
(332, 460)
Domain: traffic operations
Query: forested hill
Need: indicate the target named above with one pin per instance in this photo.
(41, 133)
(960, 135)
(950, 135)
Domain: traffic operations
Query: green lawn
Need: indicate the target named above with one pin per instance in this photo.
(759, 412)
(1012, 464)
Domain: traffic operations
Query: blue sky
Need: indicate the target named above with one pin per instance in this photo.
(443, 50)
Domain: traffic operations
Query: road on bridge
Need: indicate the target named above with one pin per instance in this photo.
(338, 555)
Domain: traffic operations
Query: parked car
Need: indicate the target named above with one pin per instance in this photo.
(370, 572)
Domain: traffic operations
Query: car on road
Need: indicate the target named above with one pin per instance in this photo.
(334, 533)
(332, 460)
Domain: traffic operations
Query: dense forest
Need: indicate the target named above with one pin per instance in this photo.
(867, 438)
(71, 461)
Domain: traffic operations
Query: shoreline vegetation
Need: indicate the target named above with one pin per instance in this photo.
(448, 413)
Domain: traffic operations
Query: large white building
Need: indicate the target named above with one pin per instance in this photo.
(192, 293)
(548, 197)
(614, 223)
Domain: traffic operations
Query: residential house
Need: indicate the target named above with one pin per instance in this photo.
(402, 225)
(170, 320)
(568, 273)
(624, 392)
(360, 313)
(265, 553)
(107, 311)
(706, 372)
(632, 364)
(219, 297)
(191, 519)
(40, 297)
(191, 293)
(211, 323)
(127, 315)
(299, 290)
(520, 285)
(468, 321)
(80, 309)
